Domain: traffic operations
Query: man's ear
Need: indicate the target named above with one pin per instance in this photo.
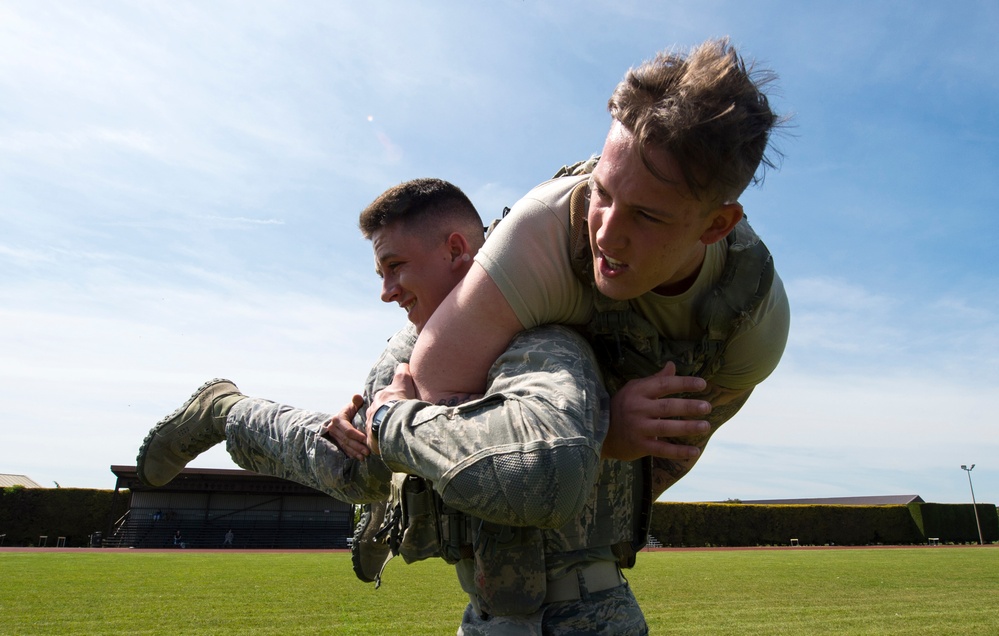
(724, 218)
(460, 250)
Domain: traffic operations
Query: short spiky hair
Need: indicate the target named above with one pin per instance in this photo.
(424, 205)
(707, 110)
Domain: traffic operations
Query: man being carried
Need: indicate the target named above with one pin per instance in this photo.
(648, 250)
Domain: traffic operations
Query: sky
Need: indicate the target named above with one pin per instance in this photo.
(180, 183)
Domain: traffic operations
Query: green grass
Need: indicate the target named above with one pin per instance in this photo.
(804, 591)
(790, 591)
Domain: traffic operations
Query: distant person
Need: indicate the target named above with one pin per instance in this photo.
(178, 540)
(228, 538)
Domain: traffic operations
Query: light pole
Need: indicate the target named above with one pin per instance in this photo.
(973, 504)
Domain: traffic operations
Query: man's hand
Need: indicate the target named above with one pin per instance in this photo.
(341, 430)
(402, 388)
(725, 403)
(642, 414)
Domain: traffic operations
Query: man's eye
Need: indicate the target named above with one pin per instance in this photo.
(648, 217)
(597, 192)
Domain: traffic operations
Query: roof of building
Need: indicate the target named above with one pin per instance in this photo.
(213, 480)
(6, 481)
(876, 500)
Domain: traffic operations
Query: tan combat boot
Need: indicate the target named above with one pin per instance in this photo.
(370, 549)
(189, 431)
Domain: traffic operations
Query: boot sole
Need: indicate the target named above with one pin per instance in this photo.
(364, 542)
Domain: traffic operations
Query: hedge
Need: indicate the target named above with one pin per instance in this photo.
(73, 513)
(735, 524)
(77, 513)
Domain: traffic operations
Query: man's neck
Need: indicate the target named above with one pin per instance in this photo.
(677, 287)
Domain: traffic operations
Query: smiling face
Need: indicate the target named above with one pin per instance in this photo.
(417, 270)
(648, 234)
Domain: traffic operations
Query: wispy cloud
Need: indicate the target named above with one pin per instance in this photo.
(240, 220)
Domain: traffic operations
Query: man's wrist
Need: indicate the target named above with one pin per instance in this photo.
(379, 418)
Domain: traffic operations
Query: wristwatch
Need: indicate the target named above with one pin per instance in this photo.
(380, 414)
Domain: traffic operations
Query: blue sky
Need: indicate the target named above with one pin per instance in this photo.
(180, 182)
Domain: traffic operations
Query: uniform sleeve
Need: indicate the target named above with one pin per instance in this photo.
(398, 350)
(528, 452)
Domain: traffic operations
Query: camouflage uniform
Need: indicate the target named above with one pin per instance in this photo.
(275, 439)
(538, 511)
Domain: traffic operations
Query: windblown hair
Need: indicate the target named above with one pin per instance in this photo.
(424, 206)
(708, 110)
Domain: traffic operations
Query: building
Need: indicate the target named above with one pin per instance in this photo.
(7, 481)
(876, 500)
(204, 504)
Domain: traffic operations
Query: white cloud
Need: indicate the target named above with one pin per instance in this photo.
(181, 183)
(86, 377)
(892, 429)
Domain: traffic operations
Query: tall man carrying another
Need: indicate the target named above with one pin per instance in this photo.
(531, 512)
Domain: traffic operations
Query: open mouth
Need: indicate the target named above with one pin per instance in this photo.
(611, 266)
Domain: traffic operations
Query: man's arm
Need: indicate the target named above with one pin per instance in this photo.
(528, 452)
(463, 338)
(474, 325)
(725, 403)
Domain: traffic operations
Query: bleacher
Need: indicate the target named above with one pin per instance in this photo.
(204, 504)
(248, 533)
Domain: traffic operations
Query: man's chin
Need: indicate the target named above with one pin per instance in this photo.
(613, 289)
(417, 322)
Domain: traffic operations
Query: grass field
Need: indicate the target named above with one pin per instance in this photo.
(790, 591)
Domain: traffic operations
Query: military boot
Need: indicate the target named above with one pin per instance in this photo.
(189, 431)
(370, 550)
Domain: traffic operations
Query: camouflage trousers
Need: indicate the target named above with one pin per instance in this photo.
(282, 441)
(613, 612)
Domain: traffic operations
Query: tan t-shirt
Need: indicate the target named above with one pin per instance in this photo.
(527, 256)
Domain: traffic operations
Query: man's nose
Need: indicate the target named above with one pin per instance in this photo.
(390, 289)
(611, 233)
